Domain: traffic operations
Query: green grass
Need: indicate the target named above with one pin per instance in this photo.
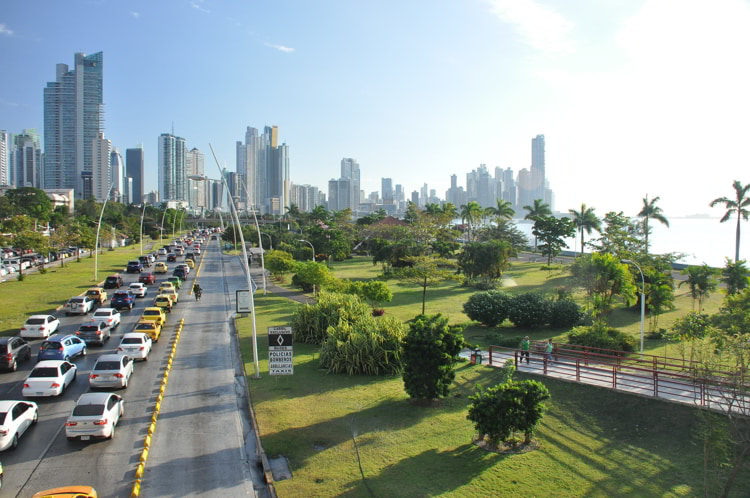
(594, 442)
(42, 293)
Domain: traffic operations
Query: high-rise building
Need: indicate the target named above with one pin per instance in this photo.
(134, 169)
(263, 169)
(101, 155)
(194, 162)
(4, 158)
(117, 174)
(171, 164)
(339, 194)
(386, 190)
(537, 167)
(73, 118)
(350, 171)
(26, 160)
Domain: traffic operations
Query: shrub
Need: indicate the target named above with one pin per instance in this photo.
(297, 282)
(311, 322)
(565, 313)
(601, 336)
(531, 310)
(480, 284)
(498, 339)
(366, 347)
(488, 308)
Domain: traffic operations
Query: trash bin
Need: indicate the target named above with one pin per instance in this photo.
(478, 356)
(473, 358)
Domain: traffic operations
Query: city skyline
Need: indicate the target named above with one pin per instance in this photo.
(623, 91)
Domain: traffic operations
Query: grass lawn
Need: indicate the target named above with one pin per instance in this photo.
(42, 293)
(594, 442)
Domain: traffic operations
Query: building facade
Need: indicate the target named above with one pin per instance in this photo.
(171, 167)
(4, 158)
(134, 161)
(101, 179)
(26, 160)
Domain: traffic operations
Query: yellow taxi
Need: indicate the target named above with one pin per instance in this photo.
(172, 293)
(98, 295)
(68, 492)
(190, 263)
(160, 267)
(152, 329)
(154, 314)
(165, 286)
(164, 302)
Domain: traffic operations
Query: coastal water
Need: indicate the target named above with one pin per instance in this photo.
(703, 240)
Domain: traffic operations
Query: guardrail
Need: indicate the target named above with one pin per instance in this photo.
(718, 390)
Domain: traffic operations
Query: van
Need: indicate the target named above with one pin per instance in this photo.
(145, 261)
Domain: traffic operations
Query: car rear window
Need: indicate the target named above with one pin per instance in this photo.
(131, 340)
(89, 328)
(77, 300)
(144, 326)
(92, 293)
(50, 345)
(35, 321)
(151, 312)
(88, 410)
(44, 372)
(107, 365)
(102, 313)
(111, 279)
(135, 286)
(121, 294)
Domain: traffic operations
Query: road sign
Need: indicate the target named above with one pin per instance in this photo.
(280, 352)
(243, 301)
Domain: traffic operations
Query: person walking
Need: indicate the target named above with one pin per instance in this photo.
(525, 345)
(549, 347)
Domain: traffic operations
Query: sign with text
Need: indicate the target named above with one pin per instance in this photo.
(243, 301)
(280, 353)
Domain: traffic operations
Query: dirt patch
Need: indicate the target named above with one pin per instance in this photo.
(507, 449)
(508, 282)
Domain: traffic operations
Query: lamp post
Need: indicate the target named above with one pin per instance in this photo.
(142, 215)
(313, 248)
(98, 227)
(643, 297)
(260, 239)
(270, 241)
(161, 230)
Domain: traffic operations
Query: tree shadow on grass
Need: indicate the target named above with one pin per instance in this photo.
(438, 471)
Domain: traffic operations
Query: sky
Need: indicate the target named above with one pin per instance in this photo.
(634, 97)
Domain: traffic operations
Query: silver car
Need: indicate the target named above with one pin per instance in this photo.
(136, 345)
(79, 305)
(111, 370)
(95, 415)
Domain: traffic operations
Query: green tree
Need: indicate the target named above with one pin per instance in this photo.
(603, 277)
(279, 263)
(701, 280)
(506, 231)
(503, 211)
(312, 273)
(426, 271)
(32, 202)
(485, 259)
(651, 211)
(471, 213)
(552, 232)
(373, 291)
(585, 220)
(450, 212)
(737, 206)
(733, 318)
(621, 237)
(537, 210)
(735, 275)
(29, 239)
(431, 350)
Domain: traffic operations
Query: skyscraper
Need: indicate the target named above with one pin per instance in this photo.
(26, 160)
(101, 151)
(263, 169)
(386, 190)
(73, 118)
(117, 175)
(537, 167)
(134, 170)
(4, 158)
(350, 171)
(171, 167)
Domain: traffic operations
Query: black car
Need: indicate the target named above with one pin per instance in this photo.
(171, 257)
(13, 350)
(122, 299)
(134, 267)
(179, 272)
(114, 282)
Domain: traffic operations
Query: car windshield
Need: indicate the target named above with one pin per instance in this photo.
(107, 365)
(51, 345)
(35, 321)
(88, 410)
(44, 372)
(89, 328)
(131, 340)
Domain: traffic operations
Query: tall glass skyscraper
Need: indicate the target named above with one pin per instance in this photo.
(73, 118)
(172, 173)
(537, 167)
(134, 170)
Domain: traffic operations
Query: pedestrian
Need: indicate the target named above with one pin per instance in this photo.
(525, 344)
(548, 349)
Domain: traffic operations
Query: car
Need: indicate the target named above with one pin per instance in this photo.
(164, 302)
(151, 258)
(12, 351)
(145, 261)
(180, 273)
(175, 281)
(150, 328)
(108, 316)
(79, 305)
(197, 251)
(190, 263)
(154, 314)
(147, 278)
(179, 250)
(186, 266)
(114, 282)
(137, 345)
(167, 285)
(96, 332)
(68, 492)
(172, 257)
(162, 252)
(40, 326)
(61, 348)
(134, 267)
(95, 416)
(123, 299)
(190, 255)
(15, 418)
(160, 267)
(98, 295)
(138, 289)
(111, 370)
(49, 378)
(172, 294)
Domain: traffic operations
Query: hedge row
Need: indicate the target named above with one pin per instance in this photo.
(530, 310)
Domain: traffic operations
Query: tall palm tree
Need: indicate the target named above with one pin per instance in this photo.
(738, 206)
(471, 213)
(539, 209)
(503, 210)
(651, 210)
(586, 221)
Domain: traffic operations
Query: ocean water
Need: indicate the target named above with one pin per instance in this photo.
(703, 240)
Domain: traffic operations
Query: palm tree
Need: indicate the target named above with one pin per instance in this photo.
(651, 210)
(503, 210)
(471, 213)
(737, 205)
(586, 221)
(539, 209)
(449, 210)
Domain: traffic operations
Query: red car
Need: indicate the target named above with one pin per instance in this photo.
(147, 278)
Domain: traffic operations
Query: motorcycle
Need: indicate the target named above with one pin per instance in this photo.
(197, 295)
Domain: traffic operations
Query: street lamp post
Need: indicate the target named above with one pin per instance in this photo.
(98, 227)
(313, 248)
(142, 215)
(161, 230)
(643, 297)
(270, 241)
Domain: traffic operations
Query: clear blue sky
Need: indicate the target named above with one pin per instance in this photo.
(634, 97)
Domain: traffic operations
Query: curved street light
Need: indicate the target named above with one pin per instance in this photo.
(313, 248)
(161, 230)
(142, 215)
(270, 240)
(98, 227)
(643, 297)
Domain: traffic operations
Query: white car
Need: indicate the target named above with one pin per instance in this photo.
(49, 378)
(108, 316)
(15, 418)
(137, 345)
(79, 305)
(138, 289)
(40, 327)
(95, 415)
(162, 252)
(111, 370)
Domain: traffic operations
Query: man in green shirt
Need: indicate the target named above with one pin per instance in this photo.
(549, 347)
(525, 345)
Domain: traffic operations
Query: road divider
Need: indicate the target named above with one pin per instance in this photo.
(141, 469)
